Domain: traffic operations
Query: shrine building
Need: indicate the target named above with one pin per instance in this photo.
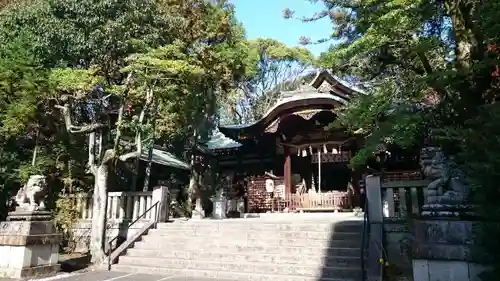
(293, 150)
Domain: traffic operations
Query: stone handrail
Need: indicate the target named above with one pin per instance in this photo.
(402, 199)
(122, 206)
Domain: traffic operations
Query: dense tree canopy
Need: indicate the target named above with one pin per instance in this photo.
(80, 81)
(409, 52)
(432, 71)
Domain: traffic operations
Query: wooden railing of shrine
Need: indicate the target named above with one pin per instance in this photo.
(324, 201)
(259, 201)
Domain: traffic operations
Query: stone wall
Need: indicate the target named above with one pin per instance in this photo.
(443, 250)
(397, 242)
(82, 229)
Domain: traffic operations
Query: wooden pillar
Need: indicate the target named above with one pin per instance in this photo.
(319, 170)
(287, 171)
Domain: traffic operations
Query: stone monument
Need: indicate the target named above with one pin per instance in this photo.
(443, 235)
(29, 237)
(219, 205)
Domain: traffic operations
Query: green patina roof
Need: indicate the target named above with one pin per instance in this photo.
(220, 141)
(164, 158)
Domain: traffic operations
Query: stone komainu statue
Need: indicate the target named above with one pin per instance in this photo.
(31, 196)
(447, 186)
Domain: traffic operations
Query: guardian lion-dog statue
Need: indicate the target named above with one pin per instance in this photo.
(31, 197)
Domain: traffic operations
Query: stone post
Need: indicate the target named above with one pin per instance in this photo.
(198, 212)
(29, 245)
(161, 195)
(219, 205)
(375, 239)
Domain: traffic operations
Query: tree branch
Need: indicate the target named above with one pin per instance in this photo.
(120, 112)
(77, 129)
(130, 155)
(109, 155)
(138, 139)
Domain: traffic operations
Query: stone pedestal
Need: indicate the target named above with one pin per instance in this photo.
(161, 196)
(29, 245)
(442, 250)
(198, 212)
(453, 211)
(240, 206)
(219, 208)
(236, 208)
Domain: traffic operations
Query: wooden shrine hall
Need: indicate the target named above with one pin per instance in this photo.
(289, 160)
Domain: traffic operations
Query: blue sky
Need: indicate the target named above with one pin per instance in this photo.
(263, 18)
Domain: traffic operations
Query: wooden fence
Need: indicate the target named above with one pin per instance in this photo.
(312, 202)
(324, 201)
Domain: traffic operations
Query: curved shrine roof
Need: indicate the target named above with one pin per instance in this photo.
(325, 89)
(220, 141)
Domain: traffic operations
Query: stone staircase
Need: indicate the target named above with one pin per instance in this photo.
(314, 248)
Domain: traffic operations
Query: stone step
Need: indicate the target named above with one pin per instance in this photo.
(254, 234)
(271, 250)
(349, 226)
(222, 275)
(206, 242)
(285, 259)
(245, 267)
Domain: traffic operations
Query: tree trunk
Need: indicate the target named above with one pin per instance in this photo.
(193, 181)
(97, 237)
(147, 175)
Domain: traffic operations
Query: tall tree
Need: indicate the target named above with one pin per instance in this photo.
(105, 64)
(433, 66)
(409, 52)
(271, 67)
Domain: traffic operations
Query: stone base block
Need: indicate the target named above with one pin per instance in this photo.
(441, 239)
(219, 209)
(442, 251)
(29, 246)
(433, 270)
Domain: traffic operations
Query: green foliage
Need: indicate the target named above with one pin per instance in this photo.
(56, 52)
(69, 80)
(66, 216)
(20, 79)
(478, 156)
(406, 53)
(443, 54)
(270, 67)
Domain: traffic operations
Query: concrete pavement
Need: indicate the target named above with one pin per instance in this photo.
(102, 275)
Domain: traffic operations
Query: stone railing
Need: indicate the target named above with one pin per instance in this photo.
(402, 199)
(391, 206)
(122, 208)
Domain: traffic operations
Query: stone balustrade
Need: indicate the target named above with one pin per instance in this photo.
(403, 199)
(121, 206)
(122, 209)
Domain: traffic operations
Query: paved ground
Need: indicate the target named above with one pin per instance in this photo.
(102, 275)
